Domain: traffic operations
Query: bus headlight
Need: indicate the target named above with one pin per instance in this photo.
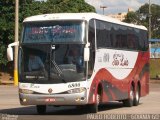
(77, 90)
(25, 91)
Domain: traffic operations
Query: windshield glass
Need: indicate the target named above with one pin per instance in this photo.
(51, 63)
(54, 31)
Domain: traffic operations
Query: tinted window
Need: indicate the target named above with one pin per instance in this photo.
(120, 37)
(103, 34)
(144, 40)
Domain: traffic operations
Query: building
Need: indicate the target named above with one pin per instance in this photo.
(120, 16)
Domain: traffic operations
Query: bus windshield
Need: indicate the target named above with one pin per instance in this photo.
(54, 31)
(51, 63)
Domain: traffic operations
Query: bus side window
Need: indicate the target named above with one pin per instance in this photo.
(131, 41)
(118, 41)
(124, 41)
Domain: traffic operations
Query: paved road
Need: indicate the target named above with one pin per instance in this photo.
(10, 107)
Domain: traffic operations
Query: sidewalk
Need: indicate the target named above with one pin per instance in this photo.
(6, 79)
(6, 82)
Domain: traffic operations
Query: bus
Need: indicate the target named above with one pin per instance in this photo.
(81, 59)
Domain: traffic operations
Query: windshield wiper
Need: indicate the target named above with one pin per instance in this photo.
(53, 47)
(58, 70)
(57, 67)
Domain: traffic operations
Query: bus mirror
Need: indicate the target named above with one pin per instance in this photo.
(86, 54)
(10, 50)
(10, 54)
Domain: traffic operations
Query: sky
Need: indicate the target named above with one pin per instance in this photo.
(118, 6)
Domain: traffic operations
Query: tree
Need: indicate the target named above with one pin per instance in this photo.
(131, 17)
(29, 8)
(141, 17)
(6, 27)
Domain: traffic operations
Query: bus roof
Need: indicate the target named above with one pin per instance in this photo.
(79, 16)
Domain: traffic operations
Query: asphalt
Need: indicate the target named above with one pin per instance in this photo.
(10, 108)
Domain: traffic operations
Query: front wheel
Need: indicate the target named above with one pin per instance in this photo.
(94, 107)
(129, 102)
(41, 109)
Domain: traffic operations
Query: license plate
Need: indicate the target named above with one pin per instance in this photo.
(50, 100)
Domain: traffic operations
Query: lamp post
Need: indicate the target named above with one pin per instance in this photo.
(16, 40)
(103, 7)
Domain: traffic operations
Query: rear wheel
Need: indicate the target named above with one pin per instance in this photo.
(136, 97)
(41, 109)
(129, 102)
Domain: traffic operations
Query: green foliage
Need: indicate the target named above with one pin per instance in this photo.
(6, 27)
(131, 17)
(155, 18)
(28, 8)
(2, 55)
(154, 68)
(141, 17)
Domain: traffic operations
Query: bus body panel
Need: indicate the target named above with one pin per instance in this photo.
(53, 94)
(115, 88)
(56, 88)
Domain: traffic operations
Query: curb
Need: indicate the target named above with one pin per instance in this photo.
(6, 82)
(154, 81)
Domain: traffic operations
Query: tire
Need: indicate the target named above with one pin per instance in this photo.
(129, 102)
(94, 107)
(81, 107)
(136, 96)
(41, 109)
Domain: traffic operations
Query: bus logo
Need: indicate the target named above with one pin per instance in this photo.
(50, 90)
(106, 57)
(119, 60)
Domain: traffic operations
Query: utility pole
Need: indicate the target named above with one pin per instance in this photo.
(16, 40)
(103, 7)
(149, 25)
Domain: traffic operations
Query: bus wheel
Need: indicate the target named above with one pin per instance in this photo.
(137, 97)
(129, 102)
(94, 107)
(41, 109)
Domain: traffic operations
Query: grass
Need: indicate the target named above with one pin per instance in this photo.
(154, 68)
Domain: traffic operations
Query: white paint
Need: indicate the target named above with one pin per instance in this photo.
(43, 88)
(79, 16)
(118, 71)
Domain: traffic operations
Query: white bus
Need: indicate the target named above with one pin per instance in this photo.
(81, 59)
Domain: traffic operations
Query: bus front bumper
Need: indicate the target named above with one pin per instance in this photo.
(57, 99)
